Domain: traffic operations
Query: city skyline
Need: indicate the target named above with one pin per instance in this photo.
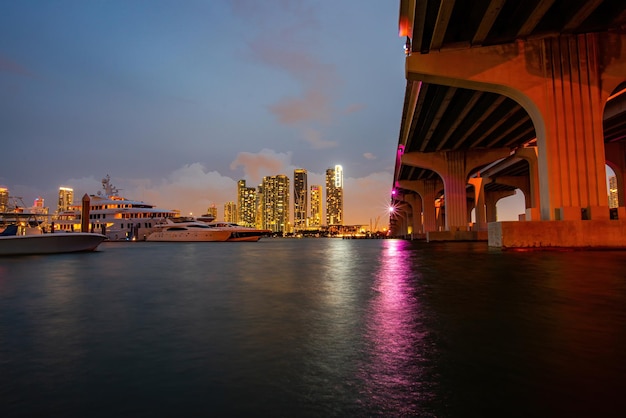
(177, 102)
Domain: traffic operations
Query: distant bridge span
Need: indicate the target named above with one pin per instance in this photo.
(535, 92)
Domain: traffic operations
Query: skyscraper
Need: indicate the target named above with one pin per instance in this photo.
(613, 196)
(212, 210)
(4, 199)
(334, 196)
(246, 204)
(276, 203)
(315, 221)
(66, 199)
(230, 212)
(300, 199)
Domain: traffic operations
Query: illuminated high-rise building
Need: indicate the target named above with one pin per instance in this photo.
(613, 195)
(246, 204)
(39, 206)
(300, 199)
(66, 199)
(212, 211)
(230, 212)
(260, 207)
(275, 190)
(334, 196)
(4, 199)
(315, 220)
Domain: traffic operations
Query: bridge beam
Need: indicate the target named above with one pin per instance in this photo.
(454, 168)
(428, 190)
(563, 83)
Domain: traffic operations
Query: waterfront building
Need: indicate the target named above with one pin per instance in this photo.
(315, 220)
(66, 199)
(259, 207)
(334, 196)
(613, 194)
(4, 199)
(212, 211)
(246, 204)
(230, 212)
(275, 190)
(39, 206)
(300, 199)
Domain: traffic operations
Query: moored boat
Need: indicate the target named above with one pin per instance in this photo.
(187, 230)
(117, 217)
(240, 233)
(16, 240)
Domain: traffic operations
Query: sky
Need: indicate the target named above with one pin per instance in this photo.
(177, 100)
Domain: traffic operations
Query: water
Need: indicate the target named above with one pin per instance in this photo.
(313, 328)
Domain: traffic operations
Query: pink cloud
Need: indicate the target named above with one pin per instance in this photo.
(313, 106)
(264, 163)
(314, 138)
(9, 66)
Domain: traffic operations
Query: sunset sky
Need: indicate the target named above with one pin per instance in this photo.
(178, 100)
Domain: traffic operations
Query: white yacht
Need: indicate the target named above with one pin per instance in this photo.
(116, 217)
(240, 233)
(187, 229)
(23, 234)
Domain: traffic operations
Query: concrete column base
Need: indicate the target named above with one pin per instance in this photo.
(456, 236)
(569, 213)
(600, 213)
(533, 214)
(558, 234)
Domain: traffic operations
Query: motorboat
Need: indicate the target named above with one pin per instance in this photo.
(240, 233)
(117, 217)
(31, 240)
(187, 229)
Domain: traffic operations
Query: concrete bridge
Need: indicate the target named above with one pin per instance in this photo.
(504, 95)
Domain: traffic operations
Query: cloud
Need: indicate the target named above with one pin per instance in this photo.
(312, 107)
(369, 156)
(264, 163)
(353, 108)
(190, 189)
(9, 66)
(314, 138)
(286, 46)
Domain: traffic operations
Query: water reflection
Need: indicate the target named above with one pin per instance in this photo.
(394, 378)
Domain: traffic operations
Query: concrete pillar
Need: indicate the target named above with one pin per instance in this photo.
(563, 83)
(491, 200)
(616, 159)
(531, 188)
(454, 167)
(479, 199)
(415, 201)
(428, 190)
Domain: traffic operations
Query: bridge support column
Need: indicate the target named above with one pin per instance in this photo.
(563, 82)
(491, 200)
(415, 201)
(428, 190)
(479, 199)
(454, 168)
(616, 159)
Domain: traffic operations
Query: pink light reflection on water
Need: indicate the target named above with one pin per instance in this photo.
(393, 376)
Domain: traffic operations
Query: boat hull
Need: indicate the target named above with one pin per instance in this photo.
(50, 243)
(189, 236)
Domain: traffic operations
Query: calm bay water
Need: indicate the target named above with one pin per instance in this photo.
(313, 327)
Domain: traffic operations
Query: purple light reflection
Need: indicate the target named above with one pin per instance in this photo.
(394, 375)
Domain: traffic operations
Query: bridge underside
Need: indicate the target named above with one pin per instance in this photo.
(503, 97)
